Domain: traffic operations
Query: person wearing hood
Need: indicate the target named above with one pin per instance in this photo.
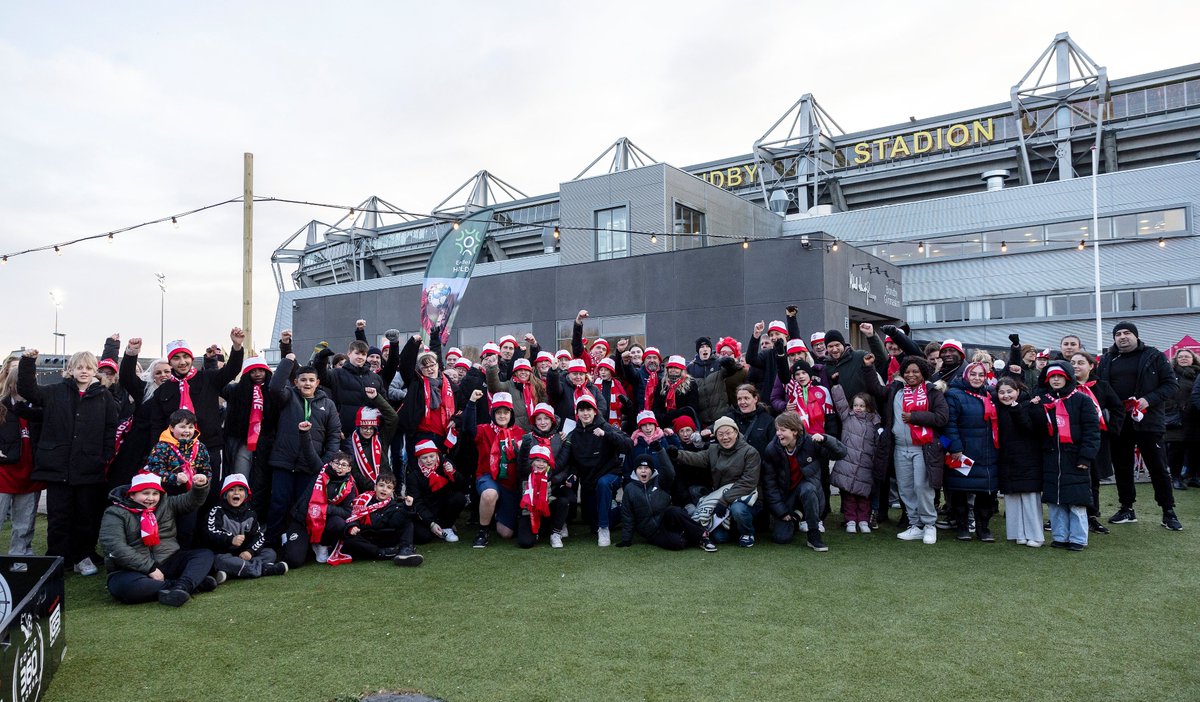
(20, 424)
(972, 446)
(1183, 423)
(735, 467)
(647, 510)
(705, 361)
(1142, 377)
(142, 556)
(792, 476)
(592, 451)
(1072, 423)
(1112, 418)
(79, 427)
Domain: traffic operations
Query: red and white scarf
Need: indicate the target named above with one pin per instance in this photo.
(149, 524)
(989, 413)
(360, 512)
(445, 409)
(368, 465)
(1057, 416)
(256, 417)
(916, 399)
(185, 391)
(1086, 388)
(670, 402)
(528, 395)
(651, 390)
(187, 464)
(437, 481)
(536, 498)
(318, 504)
(503, 452)
(616, 400)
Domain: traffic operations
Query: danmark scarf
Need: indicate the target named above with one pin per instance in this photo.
(256, 417)
(916, 399)
(368, 465)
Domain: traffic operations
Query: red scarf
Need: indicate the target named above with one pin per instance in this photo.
(651, 389)
(437, 481)
(989, 415)
(256, 417)
(185, 392)
(318, 504)
(186, 464)
(1087, 390)
(149, 524)
(616, 392)
(360, 512)
(537, 499)
(436, 420)
(503, 452)
(1057, 416)
(368, 466)
(916, 399)
(670, 405)
(527, 394)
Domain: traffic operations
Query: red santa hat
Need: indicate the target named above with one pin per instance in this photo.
(178, 346)
(646, 416)
(777, 326)
(600, 342)
(796, 346)
(544, 356)
(463, 363)
(953, 344)
(508, 339)
(366, 417)
(541, 452)
(817, 338)
(652, 351)
(677, 362)
(1057, 370)
(235, 480)
(424, 447)
(501, 399)
(585, 399)
(543, 408)
(254, 362)
(490, 348)
(608, 363)
(577, 366)
(522, 364)
(145, 481)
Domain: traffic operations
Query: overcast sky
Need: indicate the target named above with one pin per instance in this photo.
(117, 113)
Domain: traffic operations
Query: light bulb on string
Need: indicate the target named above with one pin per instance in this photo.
(1082, 244)
(111, 238)
(175, 222)
(921, 247)
(456, 225)
(1162, 243)
(4, 261)
(653, 238)
(1004, 247)
(557, 233)
(745, 242)
(58, 251)
(834, 248)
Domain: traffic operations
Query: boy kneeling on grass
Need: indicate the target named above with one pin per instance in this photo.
(380, 527)
(236, 538)
(646, 507)
(142, 555)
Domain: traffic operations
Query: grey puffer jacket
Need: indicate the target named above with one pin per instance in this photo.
(121, 529)
(856, 472)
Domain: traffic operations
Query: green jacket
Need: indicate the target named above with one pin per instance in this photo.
(121, 530)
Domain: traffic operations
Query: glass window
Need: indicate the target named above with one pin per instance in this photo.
(995, 309)
(956, 246)
(1161, 222)
(898, 251)
(951, 312)
(1124, 226)
(1058, 305)
(1020, 307)
(1019, 238)
(629, 326)
(1118, 107)
(1068, 231)
(1082, 303)
(1193, 92)
(1162, 298)
(1136, 101)
(612, 237)
(690, 229)
(1175, 96)
(1155, 99)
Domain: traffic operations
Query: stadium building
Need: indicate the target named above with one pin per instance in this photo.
(971, 225)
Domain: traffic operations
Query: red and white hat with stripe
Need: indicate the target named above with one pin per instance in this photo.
(109, 364)
(462, 362)
(522, 364)
(562, 353)
(953, 344)
(646, 416)
(501, 399)
(585, 399)
(577, 366)
(677, 362)
(1057, 370)
(453, 352)
(541, 452)
(817, 338)
(235, 480)
(777, 326)
(608, 363)
(424, 447)
(796, 346)
(651, 351)
(254, 362)
(507, 339)
(543, 408)
(178, 346)
(600, 342)
(490, 348)
(1044, 353)
(544, 356)
(366, 417)
(145, 481)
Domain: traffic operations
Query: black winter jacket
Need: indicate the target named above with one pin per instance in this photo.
(238, 400)
(347, 386)
(1156, 382)
(1064, 483)
(294, 450)
(589, 456)
(223, 522)
(1021, 439)
(78, 432)
(757, 427)
(777, 472)
(205, 388)
(643, 504)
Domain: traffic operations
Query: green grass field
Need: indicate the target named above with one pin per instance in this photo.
(873, 619)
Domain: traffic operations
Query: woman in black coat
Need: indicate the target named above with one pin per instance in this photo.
(1069, 454)
(1112, 418)
(1183, 423)
(1020, 463)
(79, 427)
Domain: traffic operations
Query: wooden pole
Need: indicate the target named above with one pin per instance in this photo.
(248, 251)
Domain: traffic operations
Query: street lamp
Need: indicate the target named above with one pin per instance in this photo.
(162, 313)
(56, 297)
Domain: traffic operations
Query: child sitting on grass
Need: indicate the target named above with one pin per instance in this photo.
(325, 511)
(234, 535)
(646, 508)
(142, 555)
(379, 528)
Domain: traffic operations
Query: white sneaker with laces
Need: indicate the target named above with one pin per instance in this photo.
(86, 567)
(602, 537)
(851, 527)
(864, 528)
(321, 552)
(449, 536)
(555, 540)
(911, 534)
(821, 526)
(930, 537)
(564, 532)
(802, 526)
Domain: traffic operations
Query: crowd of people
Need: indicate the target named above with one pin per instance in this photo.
(190, 470)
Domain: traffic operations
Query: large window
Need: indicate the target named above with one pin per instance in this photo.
(629, 326)
(612, 236)
(690, 229)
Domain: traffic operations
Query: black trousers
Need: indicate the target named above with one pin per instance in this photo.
(1151, 447)
(677, 530)
(446, 504)
(183, 570)
(1181, 453)
(985, 508)
(367, 544)
(559, 508)
(73, 515)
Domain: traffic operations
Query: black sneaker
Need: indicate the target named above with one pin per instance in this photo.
(208, 584)
(481, 539)
(279, 568)
(707, 544)
(873, 520)
(387, 554)
(1075, 547)
(173, 598)
(963, 535)
(1059, 544)
(1170, 521)
(815, 542)
(985, 535)
(1096, 527)
(1046, 525)
(408, 557)
(1124, 515)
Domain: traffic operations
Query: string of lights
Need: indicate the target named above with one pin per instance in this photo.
(501, 223)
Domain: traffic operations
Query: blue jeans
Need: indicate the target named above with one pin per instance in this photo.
(808, 498)
(606, 488)
(741, 519)
(1069, 523)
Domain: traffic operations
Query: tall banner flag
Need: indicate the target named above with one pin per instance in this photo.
(449, 273)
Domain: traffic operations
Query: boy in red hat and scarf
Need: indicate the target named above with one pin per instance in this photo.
(437, 500)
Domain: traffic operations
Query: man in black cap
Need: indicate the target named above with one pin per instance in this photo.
(1142, 377)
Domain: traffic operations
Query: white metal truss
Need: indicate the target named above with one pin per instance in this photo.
(483, 189)
(794, 156)
(1046, 107)
(625, 155)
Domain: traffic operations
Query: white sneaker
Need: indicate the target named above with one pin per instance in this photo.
(851, 527)
(555, 540)
(821, 527)
(864, 528)
(602, 537)
(802, 526)
(564, 532)
(930, 535)
(449, 536)
(911, 534)
(1034, 544)
(321, 552)
(86, 567)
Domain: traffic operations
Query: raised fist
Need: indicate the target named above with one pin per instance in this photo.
(791, 310)
(134, 346)
(583, 314)
(869, 360)
(530, 339)
(867, 329)
(286, 336)
(758, 328)
(476, 394)
(360, 324)
(200, 480)
(622, 345)
(291, 357)
(30, 353)
(372, 393)
(392, 335)
(116, 336)
(237, 336)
